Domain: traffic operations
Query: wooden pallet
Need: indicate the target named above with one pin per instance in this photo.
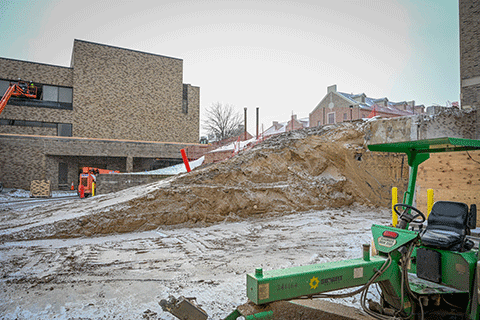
(40, 189)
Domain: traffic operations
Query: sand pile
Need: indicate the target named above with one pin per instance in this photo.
(310, 169)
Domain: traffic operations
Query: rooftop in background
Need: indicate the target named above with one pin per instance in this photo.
(292, 124)
(338, 106)
(383, 104)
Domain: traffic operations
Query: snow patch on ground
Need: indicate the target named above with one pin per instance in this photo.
(176, 169)
(124, 276)
(20, 193)
(236, 146)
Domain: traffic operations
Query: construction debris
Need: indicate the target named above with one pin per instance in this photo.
(309, 169)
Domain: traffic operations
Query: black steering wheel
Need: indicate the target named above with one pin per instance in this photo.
(405, 217)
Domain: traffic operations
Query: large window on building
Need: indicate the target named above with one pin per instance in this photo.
(63, 129)
(331, 117)
(57, 94)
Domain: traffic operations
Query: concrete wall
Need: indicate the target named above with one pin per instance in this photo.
(389, 130)
(107, 183)
(27, 158)
(449, 122)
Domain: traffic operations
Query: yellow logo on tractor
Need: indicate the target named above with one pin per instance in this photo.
(314, 283)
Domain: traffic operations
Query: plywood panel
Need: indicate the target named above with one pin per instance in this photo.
(454, 176)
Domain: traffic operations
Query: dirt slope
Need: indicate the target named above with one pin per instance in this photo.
(310, 169)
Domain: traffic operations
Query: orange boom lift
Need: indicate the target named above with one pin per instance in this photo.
(88, 177)
(18, 89)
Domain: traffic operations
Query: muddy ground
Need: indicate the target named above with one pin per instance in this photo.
(124, 276)
(303, 197)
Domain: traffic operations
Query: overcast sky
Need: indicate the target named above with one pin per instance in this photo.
(277, 55)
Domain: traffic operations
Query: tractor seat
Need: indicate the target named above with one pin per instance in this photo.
(448, 225)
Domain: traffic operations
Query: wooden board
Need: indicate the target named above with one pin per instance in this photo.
(454, 176)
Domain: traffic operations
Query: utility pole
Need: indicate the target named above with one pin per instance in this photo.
(257, 121)
(245, 123)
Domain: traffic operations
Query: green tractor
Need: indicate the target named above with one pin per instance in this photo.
(424, 272)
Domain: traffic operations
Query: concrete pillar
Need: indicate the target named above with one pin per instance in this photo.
(414, 128)
(129, 165)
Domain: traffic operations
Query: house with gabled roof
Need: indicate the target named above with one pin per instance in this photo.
(276, 128)
(340, 106)
(280, 127)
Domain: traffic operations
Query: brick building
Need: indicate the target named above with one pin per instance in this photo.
(340, 106)
(280, 127)
(113, 108)
(469, 11)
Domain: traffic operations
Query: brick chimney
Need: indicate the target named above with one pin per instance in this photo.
(332, 88)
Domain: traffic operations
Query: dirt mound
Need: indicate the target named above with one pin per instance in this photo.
(302, 170)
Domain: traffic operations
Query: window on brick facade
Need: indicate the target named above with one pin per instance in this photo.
(345, 116)
(185, 99)
(57, 94)
(3, 87)
(64, 129)
(331, 117)
(26, 123)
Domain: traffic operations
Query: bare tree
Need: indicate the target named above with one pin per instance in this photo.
(222, 121)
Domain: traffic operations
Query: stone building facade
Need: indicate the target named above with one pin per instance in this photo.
(469, 11)
(107, 94)
(339, 106)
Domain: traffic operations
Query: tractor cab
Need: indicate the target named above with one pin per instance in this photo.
(443, 261)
